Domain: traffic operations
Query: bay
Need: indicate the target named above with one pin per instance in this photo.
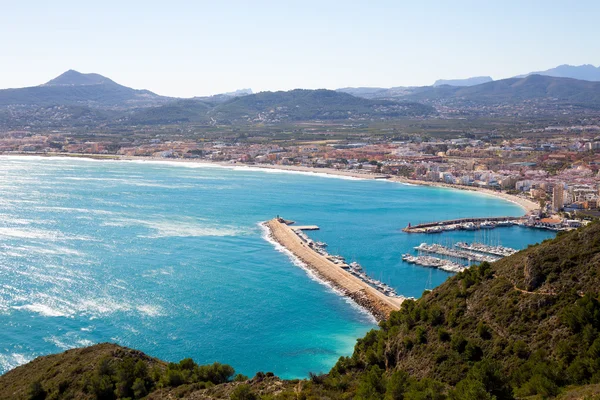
(169, 258)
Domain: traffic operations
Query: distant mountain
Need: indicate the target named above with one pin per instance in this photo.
(477, 80)
(273, 107)
(362, 91)
(380, 93)
(223, 97)
(74, 78)
(536, 88)
(305, 105)
(239, 92)
(75, 88)
(585, 72)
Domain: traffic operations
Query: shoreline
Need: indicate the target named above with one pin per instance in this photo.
(527, 205)
(376, 303)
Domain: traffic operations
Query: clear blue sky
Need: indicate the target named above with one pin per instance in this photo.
(188, 48)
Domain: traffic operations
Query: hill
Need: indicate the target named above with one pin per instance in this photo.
(527, 326)
(477, 80)
(180, 111)
(274, 107)
(585, 72)
(300, 104)
(74, 78)
(533, 88)
(75, 88)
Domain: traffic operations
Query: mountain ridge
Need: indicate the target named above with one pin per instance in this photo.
(75, 88)
(476, 80)
(586, 72)
(515, 90)
(76, 78)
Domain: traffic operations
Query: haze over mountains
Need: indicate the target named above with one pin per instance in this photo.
(74, 99)
(477, 80)
(582, 72)
(585, 72)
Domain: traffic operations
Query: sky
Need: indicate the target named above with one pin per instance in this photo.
(196, 48)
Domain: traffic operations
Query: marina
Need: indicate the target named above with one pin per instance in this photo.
(450, 252)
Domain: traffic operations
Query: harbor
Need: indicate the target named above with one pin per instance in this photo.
(456, 257)
(349, 278)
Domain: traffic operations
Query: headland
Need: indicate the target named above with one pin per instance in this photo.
(365, 295)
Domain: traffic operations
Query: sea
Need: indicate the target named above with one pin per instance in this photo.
(170, 258)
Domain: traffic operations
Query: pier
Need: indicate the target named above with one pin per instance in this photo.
(449, 252)
(333, 270)
(499, 251)
(434, 262)
(462, 223)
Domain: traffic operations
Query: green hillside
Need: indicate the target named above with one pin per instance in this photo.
(527, 326)
(273, 107)
(306, 105)
(180, 111)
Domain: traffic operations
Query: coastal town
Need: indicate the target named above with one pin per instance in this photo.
(552, 172)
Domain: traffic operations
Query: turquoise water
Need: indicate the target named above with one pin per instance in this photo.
(170, 259)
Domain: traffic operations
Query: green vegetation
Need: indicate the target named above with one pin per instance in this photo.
(127, 378)
(527, 326)
(277, 107)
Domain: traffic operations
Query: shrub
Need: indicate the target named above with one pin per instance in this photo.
(372, 385)
(243, 392)
(443, 335)
(484, 331)
(36, 391)
(396, 385)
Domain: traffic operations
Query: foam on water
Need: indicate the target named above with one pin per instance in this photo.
(174, 228)
(43, 310)
(30, 233)
(11, 360)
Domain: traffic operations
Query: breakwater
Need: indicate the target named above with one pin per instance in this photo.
(332, 271)
(462, 223)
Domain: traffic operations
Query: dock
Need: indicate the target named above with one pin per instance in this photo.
(450, 252)
(333, 271)
(462, 223)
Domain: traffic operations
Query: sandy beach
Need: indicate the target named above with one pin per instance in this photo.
(378, 304)
(527, 205)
